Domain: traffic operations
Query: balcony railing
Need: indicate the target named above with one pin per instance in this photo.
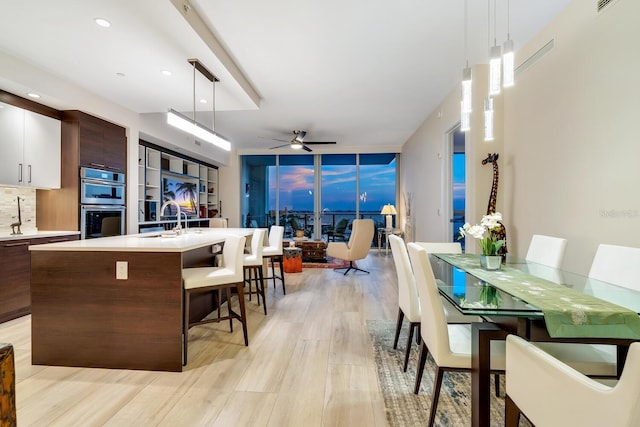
(304, 220)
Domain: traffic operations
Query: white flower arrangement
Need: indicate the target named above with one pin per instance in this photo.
(484, 232)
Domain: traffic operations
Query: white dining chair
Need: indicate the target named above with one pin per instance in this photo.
(408, 300)
(619, 265)
(550, 393)
(449, 344)
(452, 313)
(546, 250)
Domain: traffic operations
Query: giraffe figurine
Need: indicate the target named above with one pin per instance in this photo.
(500, 233)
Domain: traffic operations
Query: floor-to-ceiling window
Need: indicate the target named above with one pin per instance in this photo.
(296, 186)
(339, 200)
(258, 183)
(377, 186)
(317, 193)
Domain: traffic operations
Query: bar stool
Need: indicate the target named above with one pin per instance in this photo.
(206, 279)
(274, 253)
(253, 266)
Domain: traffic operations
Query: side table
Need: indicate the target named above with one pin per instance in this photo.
(292, 260)
(386, 232)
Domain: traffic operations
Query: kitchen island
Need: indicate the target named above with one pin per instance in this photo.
(116, 302)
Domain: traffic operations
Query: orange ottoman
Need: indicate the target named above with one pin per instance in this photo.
(292, 260)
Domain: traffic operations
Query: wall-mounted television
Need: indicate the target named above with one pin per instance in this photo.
(181, 189)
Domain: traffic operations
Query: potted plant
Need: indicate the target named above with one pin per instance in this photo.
(485, 233)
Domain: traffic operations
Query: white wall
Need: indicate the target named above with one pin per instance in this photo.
(229, 195)
(571, 146)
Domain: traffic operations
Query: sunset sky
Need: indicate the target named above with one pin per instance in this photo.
(377, 187)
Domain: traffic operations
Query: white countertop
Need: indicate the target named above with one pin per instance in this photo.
(29, 234)
(192, 238)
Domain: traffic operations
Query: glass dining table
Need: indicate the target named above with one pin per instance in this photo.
(534, 301)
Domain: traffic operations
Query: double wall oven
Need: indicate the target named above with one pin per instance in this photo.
(102, 203)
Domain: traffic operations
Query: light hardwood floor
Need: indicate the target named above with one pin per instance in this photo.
(309, 363)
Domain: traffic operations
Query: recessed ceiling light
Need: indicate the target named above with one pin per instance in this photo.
(165, 72)
(33, 95)
(102, 22)
(203, 101)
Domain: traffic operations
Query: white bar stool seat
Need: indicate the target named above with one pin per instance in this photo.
(200, 280)
(274, 253)
(253, 265)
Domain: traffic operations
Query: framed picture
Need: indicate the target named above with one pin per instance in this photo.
(183, 190)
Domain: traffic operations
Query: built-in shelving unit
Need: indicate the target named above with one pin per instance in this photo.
(166, 175)
(208, 191)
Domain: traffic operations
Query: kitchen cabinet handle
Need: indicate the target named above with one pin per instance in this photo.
(100, 165)
(57, 240)
(113, 168)
(9, 245)
(19, 172)
(29, 167)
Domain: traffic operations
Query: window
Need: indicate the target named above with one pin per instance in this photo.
(314, 193)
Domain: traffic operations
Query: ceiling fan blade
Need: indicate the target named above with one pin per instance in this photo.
(320, 142)
(280, 146)
(305, 148)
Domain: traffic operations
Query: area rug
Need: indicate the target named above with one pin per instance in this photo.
(331, 263)
(402, 407)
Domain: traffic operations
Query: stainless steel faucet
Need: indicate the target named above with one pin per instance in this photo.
(186, 221)
(178, 228)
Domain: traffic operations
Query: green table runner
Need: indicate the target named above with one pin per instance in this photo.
(567, 312)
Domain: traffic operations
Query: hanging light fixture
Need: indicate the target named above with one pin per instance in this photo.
(465, 104)
(488, 119)
(190, 125)
(465, 119)
(495, 56)
(508, 58)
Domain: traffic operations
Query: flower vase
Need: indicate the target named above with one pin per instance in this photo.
(490, 262)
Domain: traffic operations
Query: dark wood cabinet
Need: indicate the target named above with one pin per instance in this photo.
(15, 264)
(101, 144)
(14, 289)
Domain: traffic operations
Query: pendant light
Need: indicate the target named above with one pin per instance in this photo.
(465, 104)
(488, 119)
(495, 56)
(508, 58)
(190, 125)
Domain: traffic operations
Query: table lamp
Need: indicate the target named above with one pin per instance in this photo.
(389, 210)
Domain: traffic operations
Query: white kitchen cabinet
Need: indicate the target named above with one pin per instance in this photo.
(42, 150)
(30, 148)
(11, 142)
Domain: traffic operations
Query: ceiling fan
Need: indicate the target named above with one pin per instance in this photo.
(298, 141)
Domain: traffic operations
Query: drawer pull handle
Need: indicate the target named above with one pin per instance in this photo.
(9, 245)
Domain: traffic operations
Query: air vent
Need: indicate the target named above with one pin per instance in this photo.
(535, 57)
(604, 3)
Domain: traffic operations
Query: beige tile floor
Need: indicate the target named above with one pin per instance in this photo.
(309, 363)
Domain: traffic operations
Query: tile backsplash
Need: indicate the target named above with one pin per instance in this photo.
(9, 208)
